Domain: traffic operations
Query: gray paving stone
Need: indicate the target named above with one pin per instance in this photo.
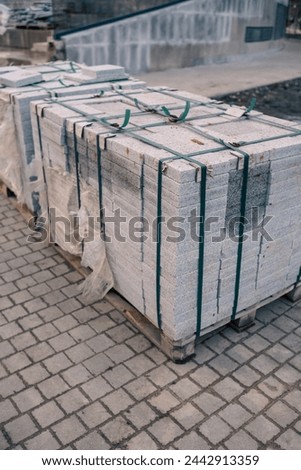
(10, 385)
(53, 386)
(208, 402)
(286, 324)
(48, 414)
(241, 441)
(139, 343)
(45, 331)
(117, 401)
(23, 341)
(100, 324)
(181, 369)
(165, 430)
(19, 298)
(30, 321)
(290, 440)
(120, 333)
(34, 374)
(16, 362)
(117, 430)
(271, 333)
(57, 363)
(65, 323)
(92, 441)
(79, 353)
(82, 333)
(72, 401)
(28, 399)
(140, 415)
(24, 283)
(192, 441)
(61, 342)
(240, 353)
(246, 376)
(262, 429)
(264, 364)
(119, 353)
(228, 389)
(235, 415)
(164, 402)
(94, 415)
(254, 401)
(141, 442)
(280, 353)
(7, 410)
(296, 361)
(281, 414)
(100, 343)
(20, 428)
(9, 330)
(271, 387)
(288, 374)
(297, 426)
(98, 363)
(69, 306)
(50, 313)
(96, 388)
(204, 376)
(185, 388)
(293, 342)
(293, 399)
(203, 354)
(3, 372)
(223, 365)
(215, 430)
(188, 416)
(217, 343)
(44, 441)
(156, 355)
(118, 376)
(161, 376)
(256, 343)
(69, 430)
(3, 442)
(76, 375)
(140, 388)
(6, 349)
(85, 314)
(103, 306)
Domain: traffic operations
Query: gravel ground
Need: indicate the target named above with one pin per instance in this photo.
(281, 100)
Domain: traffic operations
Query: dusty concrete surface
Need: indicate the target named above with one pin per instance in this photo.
(217, 79)
(77, 376)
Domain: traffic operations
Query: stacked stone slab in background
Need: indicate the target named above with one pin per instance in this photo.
(91, 163)
(20, 168)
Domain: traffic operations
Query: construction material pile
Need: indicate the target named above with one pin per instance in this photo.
(20, 169)
(191, 208)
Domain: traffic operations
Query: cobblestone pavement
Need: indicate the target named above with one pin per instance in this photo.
(76, 376)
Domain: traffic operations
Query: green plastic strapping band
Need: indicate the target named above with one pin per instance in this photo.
(299, 276)
(251, 106)
(174, 118)
(76, 165)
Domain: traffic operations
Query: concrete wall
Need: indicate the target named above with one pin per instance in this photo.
(70, 14)
(190, 33)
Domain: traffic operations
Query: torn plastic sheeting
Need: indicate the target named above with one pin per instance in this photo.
(10, 171)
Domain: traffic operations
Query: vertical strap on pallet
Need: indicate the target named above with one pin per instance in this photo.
(299, 276)
(76, 165)
(243, 204)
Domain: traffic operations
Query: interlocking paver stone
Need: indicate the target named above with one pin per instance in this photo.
(98, 363)
(208, 402)
(271, 387)
(215, 429)
(69, 430)
(119, 353)
(79, 353)
(254, 401)
(117, 401)
(94, 415)
(6, 349)
(240, 353)
(204, 376)
(264, 364)
(280, 353)
(61, 342)
(44, 441)
(141, 442)
(188, 416)
(92, 441)
(164, 402)
(262, 429)
(290, 440)
(7, 411)
(100, 343)
(20, 428)
(281, 414)
(185, 388)
(288, 374)
(246, 376)
(165, 430)
(76, 375)
(57, 363)
(53, 386)
(241, 441)
(48, 414)
(16, 362)
(293, 399)
(235, 415)
(223, 364)
(161, 376)
(117, 430)
(228, 388)
(192, 441)
(72, 401)
(140, 388)
(118, 376)
(96, 388)
(28, 399)
(34, 374)
(140, 415)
